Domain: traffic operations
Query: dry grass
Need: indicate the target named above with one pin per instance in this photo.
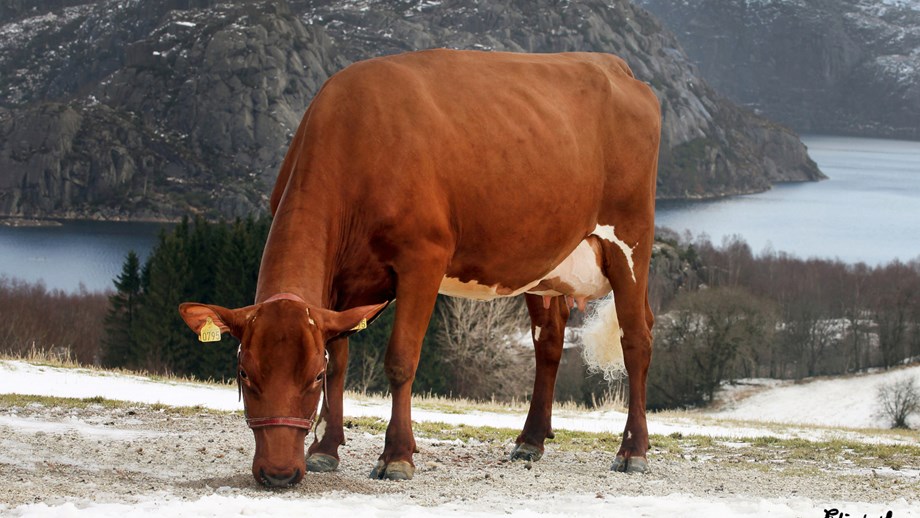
(454, 405)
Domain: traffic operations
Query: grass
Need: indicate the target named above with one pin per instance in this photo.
(784, 428)
(789, 457)
(22, 400)
(448, 405)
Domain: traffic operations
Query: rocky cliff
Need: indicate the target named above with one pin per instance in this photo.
(832, 66)
(142, 109)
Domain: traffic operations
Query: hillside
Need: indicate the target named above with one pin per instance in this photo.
(150, 109)
(168, 458)
(821, 66)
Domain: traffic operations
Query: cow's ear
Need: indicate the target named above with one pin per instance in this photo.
(338, 324)
(197, 316)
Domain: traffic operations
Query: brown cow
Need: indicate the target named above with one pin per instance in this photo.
(466, 173)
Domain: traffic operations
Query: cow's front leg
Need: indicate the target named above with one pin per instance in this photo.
(323, 454)
(416, 294)
(548, 331)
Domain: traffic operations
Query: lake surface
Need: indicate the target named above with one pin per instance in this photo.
(87, 252)
(869, 209)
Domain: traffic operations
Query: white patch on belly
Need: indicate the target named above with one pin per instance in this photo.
(536, 333)
(581, 272)
(473, 290)
(606, 233)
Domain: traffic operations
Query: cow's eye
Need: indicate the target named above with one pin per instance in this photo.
(243, 375)
(320, 376)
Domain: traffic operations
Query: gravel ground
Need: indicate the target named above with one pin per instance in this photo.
(101, 454)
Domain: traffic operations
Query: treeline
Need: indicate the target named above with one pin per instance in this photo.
(213, 263)
(725, 313)
(60, 324)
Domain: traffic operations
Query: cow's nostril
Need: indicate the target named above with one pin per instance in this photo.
(273, 480)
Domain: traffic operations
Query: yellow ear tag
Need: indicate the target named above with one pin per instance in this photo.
(362, 325)
(209, 332)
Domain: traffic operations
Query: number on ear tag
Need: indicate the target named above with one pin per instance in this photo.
(362, 325)
(209, 332)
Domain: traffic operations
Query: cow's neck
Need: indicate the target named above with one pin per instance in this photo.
(299, 254)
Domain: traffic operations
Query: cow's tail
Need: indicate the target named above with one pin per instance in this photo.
(602, 349)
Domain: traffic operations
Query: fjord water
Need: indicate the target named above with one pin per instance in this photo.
(90, 253)
(867, 211)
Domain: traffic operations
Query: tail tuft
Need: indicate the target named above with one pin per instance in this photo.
(602, 349)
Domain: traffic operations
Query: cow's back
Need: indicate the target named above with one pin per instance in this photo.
(499, 153)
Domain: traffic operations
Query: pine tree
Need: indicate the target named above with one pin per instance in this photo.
(119, 349)
(164, 342)
(196, 261)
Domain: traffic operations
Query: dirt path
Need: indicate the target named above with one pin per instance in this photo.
(57, 454)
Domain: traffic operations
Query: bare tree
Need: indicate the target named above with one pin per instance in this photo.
(899, 400)
(367, 369)
(808, 337)
(481, 345)
(895, 297)
(708, 338)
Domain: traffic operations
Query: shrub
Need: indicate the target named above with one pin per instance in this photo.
(898, 400)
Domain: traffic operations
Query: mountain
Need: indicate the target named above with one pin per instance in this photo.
(151, 109)
(823, 66)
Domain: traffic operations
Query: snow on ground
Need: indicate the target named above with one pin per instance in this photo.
(806, 403)
(838, 402)
(563, 506)
(80, 427)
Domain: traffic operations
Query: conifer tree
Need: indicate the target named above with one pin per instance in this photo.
(162, 336)
(212, 263)
(119, 349)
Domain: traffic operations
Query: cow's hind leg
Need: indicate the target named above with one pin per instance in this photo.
(547, 326)
(418, 280)
(627, 266)
(323, 454)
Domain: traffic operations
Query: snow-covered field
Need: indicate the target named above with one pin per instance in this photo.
(837, 403)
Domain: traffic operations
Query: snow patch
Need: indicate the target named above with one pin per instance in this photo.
(73, 426)
(559, 505)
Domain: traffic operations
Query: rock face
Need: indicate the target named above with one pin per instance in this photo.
(145, 109)
(835, 66)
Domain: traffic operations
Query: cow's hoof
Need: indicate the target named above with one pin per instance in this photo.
(322, 463)
(524, 451)
(396, 470)
(629, 465)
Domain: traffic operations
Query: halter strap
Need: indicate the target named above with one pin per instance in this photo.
(284, 296)
(293, 422)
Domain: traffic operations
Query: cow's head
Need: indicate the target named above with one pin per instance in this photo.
(282, 365)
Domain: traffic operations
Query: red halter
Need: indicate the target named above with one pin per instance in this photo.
(294, 422)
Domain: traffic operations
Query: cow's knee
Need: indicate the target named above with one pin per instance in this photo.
(637, 346)
(399, 372)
